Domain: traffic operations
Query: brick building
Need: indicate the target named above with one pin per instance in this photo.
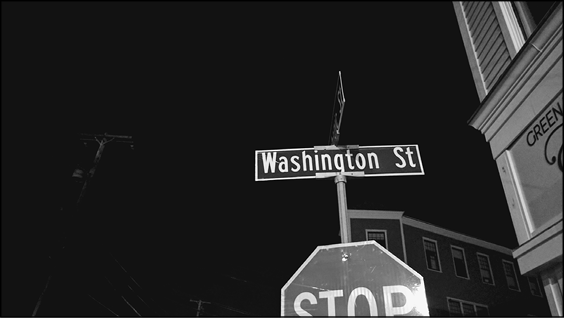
(463, 275)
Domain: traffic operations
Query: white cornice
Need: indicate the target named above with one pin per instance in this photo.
(517, 72)
(398, 215)
(458, 236)
(553, 230)
(374, 214)
(509, 26)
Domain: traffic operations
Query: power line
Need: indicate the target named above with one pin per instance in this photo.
(131, 277)
(219, 304)
(108, 309)
(130, 306)
(41, 296)
(102, 142)
(232, 309)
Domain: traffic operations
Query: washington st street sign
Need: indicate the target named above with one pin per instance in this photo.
(327, 161)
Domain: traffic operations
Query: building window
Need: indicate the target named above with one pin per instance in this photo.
(534, 286)
(457, 307)
(482, 311)
(454, 308)
(460, 267)
(380, 236)
(485, 269)
(432, 254)
(510, 276)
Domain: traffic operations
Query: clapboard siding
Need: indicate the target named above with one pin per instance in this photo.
(502, 63)
(472, 6)
(490, 48)
(493, 33)
(480, 17)
(476, 15)
(498, 64)
(485, 24)
(489, 57)
(485, 36)
(490, 65)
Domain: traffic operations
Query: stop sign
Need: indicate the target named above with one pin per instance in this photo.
(354, 279)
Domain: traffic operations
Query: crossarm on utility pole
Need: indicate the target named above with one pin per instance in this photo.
(115, 138)
(199, 301)
(102, 143)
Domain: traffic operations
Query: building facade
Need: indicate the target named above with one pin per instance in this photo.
(516, 64)
(463, 275)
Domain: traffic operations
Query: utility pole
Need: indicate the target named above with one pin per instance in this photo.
(102, 144)
(200, 302)
(102, 140)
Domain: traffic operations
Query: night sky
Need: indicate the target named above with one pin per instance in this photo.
(200, 87)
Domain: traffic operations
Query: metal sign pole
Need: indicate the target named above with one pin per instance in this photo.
(340, 180)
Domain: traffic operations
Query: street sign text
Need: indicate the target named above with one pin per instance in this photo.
(312, 162)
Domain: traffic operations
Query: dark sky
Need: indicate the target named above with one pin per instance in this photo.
(200, 87)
